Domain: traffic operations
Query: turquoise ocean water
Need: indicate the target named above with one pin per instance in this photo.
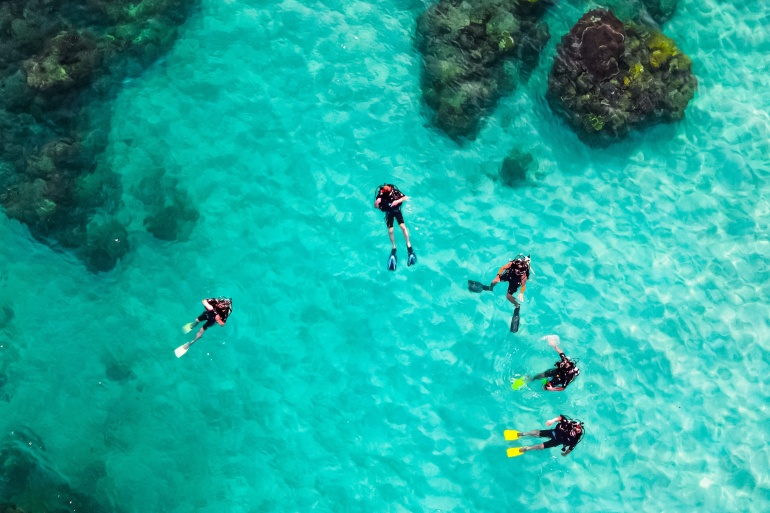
(337, 386)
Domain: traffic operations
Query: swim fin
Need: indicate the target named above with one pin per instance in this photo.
(411, 259)
(514, 451)
(392, 261)
(476, 286)
(181, 350)
(511, 434)
(187, 328)
(515, 320)
(518, 383)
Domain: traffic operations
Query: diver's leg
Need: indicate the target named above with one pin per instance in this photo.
(538, 447)
(406, 235)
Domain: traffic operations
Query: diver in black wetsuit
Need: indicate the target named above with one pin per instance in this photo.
(389, 200)
(564, 372)
(217, 310)
(566, 433)
(516, 273)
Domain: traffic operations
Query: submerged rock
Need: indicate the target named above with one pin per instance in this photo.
(173, 218)
(117, 370)
(68, 61)
(609, 77)
(6, 315)
(465, 44)
(61, 63)
(28, 483)
(515, 168)
(107, 243)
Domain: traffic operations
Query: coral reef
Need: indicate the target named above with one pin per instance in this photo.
(465, 44)
(67, 61)
(61, 63)
(107, 242)
(609, 77)
(29, 484)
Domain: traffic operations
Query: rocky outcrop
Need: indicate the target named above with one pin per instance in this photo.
(465, 44)
(61, 63)
(609, 77)
(29, 484)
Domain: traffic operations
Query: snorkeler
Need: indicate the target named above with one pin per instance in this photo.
(217, 310)
(516, 272)
(389, 200)
(566, 433)
(564, 372)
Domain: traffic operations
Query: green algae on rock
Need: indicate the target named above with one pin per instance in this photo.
(609, 77)
(465, 44)
(61, 63)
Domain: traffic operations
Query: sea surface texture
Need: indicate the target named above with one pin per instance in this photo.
(338, 386)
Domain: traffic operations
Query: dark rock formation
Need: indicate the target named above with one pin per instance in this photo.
(29, 484)
(6, 315)
(515, 167)
(117, 370)
(107, 242)
(67, 61)
(609, 77)
(465, 44)
(171, 217)
(61, 63)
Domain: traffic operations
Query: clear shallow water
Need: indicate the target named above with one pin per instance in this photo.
(337, 386)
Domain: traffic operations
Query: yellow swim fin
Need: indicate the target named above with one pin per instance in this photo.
(187, 328)
(511, 434)
(514, 451)
(518, 383)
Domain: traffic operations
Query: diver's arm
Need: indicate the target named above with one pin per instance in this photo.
(219, 320)
(557, 419)
(207, 305)
(564, 453)
(399, 201)
(551, 388)
(497, 278)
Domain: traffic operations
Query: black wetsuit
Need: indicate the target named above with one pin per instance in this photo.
(514, 274)
(562, 375)
(386, 200)
(210, 316)
(562, 434)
